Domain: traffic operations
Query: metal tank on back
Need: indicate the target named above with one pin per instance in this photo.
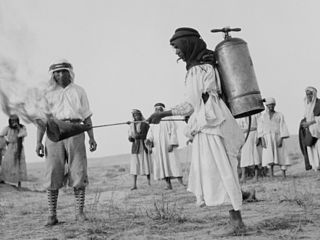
(238, 79)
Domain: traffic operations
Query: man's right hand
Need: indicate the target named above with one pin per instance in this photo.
(40, 149)
(149, 143)
(155, 118)
(263, 143)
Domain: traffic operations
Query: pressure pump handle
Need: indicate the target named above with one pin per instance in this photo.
(226, 31)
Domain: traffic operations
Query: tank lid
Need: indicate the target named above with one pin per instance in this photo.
(230, 41)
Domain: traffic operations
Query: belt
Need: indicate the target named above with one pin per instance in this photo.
(72, 120)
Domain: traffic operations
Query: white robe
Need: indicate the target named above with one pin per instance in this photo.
(165, 164)
(12, 169)
(314, 155)
(272, 130)
(217, 139)
(314, 151)
(250, 152)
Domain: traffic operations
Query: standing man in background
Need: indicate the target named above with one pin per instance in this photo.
(163, 137)
(68, 102)
(140, 162)
(13, 166)
(272, 129)
(311, 126)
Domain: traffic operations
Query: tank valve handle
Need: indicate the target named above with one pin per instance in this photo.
(226, 31)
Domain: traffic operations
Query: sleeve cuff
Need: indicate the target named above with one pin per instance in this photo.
(184, 109)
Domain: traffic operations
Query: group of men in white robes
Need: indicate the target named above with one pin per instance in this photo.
(158, 153)
(265, 145)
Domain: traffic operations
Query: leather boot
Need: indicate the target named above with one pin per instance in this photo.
(238, 227)
(79, 203)
(52, 207)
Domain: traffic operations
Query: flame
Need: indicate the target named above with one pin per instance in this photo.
(17, 96)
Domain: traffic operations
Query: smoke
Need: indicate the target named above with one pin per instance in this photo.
(19, 91)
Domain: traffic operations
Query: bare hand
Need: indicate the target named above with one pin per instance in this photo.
(171, 147)
(258, 141)
(149, 148)
(40, 149)
(280, 143)
(149, 143)
(305, 124)
(92, 145)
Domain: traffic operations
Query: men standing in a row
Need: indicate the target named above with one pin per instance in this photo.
(272, 130)
(68, 102)
(13, 166)
(163, 137)
(140, 163)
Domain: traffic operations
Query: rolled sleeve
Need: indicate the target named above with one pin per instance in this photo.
(183, 109)
(85, 108)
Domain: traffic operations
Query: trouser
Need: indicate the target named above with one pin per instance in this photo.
(66, 161)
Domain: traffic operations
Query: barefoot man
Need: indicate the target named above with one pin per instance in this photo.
(217, 137)
(272, 130)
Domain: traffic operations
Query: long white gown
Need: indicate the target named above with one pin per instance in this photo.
(272, 130)
(217, 139)
(250, 152)
(13, 169)
(165, 163)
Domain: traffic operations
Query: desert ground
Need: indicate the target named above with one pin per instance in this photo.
(286, 209)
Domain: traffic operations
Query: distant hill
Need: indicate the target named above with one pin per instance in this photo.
(184, 154)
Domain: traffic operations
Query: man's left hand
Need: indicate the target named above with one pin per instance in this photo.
(93, 145)
(171, 147)
(307, 124)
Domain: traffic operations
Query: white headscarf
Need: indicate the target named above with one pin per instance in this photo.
(270, 100)
(60, 64)
(308, 114)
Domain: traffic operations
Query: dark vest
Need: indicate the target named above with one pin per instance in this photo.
(139, 139)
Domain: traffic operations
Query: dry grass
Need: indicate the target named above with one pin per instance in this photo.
(165, 211)
(287, 209)
(110, 220)
(2, 212)
(303, 198)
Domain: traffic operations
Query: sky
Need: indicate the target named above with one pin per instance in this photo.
(121, 54)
